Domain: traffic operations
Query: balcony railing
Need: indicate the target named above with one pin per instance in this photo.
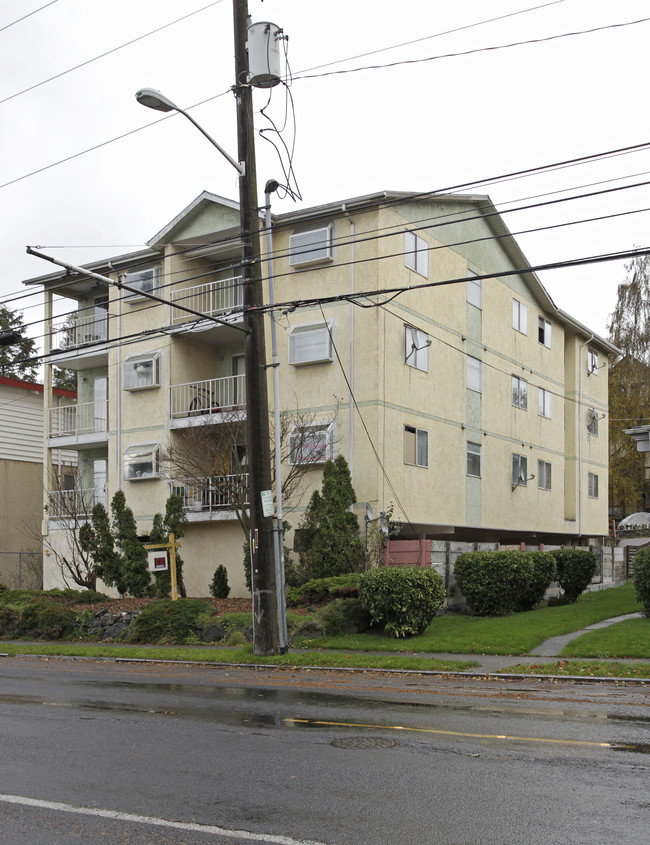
(213, 298)
(208, 397)
(74, 420)
(69, 504)
(218, 493)
(83, 330)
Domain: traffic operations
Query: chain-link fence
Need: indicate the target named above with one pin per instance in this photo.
(21, 570)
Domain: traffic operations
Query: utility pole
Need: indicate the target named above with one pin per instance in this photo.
(265, 618)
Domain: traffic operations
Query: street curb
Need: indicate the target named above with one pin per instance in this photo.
(497, 676)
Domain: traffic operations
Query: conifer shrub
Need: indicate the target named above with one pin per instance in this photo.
(3, 588)
(46, 619)
(642, 579)
(575, 569)
(403, 600)
(344, 616)
(319, 590)
(219, 585)
(168, 621)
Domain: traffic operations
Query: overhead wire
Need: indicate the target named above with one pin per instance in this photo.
(28, 15)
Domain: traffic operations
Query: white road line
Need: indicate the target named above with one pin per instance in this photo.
(115, 815)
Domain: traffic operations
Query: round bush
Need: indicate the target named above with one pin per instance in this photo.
(575, 569)
(642, 579)
(404, 600)
(46, 619)
(344, 616)
(494, 583)
(544, 572)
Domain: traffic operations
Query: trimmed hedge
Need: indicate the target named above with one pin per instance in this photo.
(500, 583)
(324, 589)
(404, 600)
(575, 569)
(642, 579)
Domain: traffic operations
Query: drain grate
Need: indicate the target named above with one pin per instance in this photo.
(363, 742)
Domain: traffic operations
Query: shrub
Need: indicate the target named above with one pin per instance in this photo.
(494, 583)
(642, 579)
(324, 589)
(344, 616)
(169, 621)
(46, 619)
(404, 600)
(3, 588)
(219, 585)
(575, 569)
(8, 615)
(544, 572)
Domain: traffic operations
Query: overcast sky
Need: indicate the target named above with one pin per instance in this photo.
(86, 172)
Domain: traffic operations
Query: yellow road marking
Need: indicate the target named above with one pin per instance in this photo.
(451, 733)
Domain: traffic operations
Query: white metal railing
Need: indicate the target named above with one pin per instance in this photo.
(212, 298)
(207, 397)
(220, 492)
(83, 330)
(73, 420)
(66, 504)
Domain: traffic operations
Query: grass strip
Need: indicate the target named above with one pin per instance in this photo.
(583, 668)
(630, 638)
(243, 655)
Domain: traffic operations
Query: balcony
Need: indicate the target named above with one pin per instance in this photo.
(212, 401)
(213, 299)
(71, 504)
(83, 339)
(215, 497)
(78, 426)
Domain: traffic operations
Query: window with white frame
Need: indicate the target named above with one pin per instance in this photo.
(544, 331)
(544, 475)
(416, 348)
(592, 422)
(416, 446)
(311, 246)
(142, 371)
(593, 485)
(474, 374)
(519, 316)
(592, 360)
(474, 459)
(311, 344)
(312, 443)
(544, 401)
(143, 280)
(519, 470)
(474, 289)
(142, 461)
(519, 392)
(416, 254)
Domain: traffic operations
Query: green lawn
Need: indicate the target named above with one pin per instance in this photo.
(516, 634)
(625, 639)
(584, 668)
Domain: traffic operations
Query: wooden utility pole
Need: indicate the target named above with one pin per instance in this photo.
(265, 626)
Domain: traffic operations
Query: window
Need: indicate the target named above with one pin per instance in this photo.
(593, 486)
(474, 290)
(311, 246)
(520, 392)
(142, 461)
(544, 402)
(416, 348)
(519, 470)
(592, 361)
(310, 344)
(416, 254)
(144, 280)
(416, 446)
(544, 332)
(474, 459)
(474, 374)
(519, 316)
(311, 444)
(142, 371)
(592, 422)
(543, 475)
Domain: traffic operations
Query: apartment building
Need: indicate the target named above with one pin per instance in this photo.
(413, 339)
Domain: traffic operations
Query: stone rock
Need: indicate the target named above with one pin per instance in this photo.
(311, 630)
(213, 633)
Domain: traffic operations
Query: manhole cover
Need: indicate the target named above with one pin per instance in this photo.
(363, 742)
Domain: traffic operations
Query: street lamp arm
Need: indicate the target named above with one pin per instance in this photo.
(155, 100)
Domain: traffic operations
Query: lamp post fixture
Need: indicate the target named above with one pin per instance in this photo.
(263, 582)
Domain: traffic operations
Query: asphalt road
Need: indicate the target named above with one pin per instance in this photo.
(141, 753)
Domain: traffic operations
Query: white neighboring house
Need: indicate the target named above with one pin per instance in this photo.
(21, 471)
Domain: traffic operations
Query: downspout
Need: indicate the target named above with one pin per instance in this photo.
(351, 347)
(580, 379)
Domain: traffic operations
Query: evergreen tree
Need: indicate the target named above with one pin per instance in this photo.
(13, 363)
(330, 541)
(96, 538)
(629, 385)
(134, 567)
(173, 522)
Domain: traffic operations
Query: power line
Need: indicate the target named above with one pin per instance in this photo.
(28, 15)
